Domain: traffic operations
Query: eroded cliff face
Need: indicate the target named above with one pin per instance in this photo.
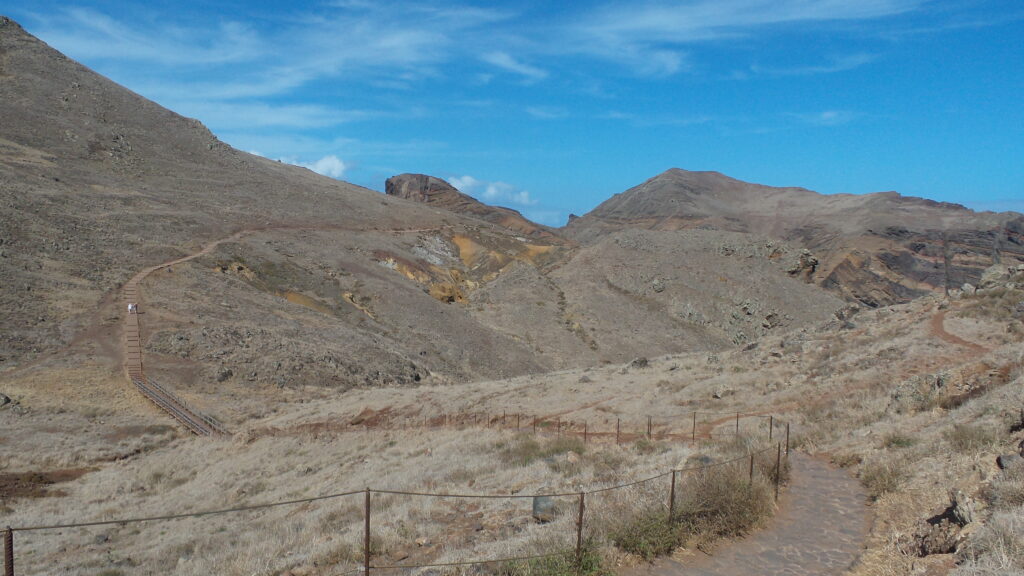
(877, 248)
(440, 194)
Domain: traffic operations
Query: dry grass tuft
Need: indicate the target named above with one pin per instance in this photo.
(881, 478)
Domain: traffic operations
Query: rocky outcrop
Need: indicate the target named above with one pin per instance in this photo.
(438, 193)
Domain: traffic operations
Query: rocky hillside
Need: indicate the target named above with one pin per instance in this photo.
(328, 284)
(875, 248)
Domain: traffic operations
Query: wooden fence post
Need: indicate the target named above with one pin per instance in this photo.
(771, 427)
(751, 467)
(737, 423)
(579, 535)
(8, 552)
(366, 537)
(778, 471)
(694, 426)
(649, 436)
(787, 439)
(517, 420)
(618, 423)
(672, 497)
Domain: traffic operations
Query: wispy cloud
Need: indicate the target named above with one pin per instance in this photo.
(508, 63)
(839, 64)
(826, 117)
(247, 115)
(492, 192)
(89, 34)
(646, 119)
(547, 112)
(649, 36)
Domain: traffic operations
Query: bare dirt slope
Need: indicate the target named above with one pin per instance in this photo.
(876, 248)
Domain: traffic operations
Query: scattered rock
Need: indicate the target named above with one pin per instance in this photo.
(421, 542)
(720, 393)
(658, 286)
(572, 457)
(771, 320)
(805, 266)
(968, 289)
(847, 312)
(638, 363)
(223, 374)
(4, 400)
(993, 276)
(941, 537)
(584, 379)
(1007, 461)
(543, 509)
(962, 507)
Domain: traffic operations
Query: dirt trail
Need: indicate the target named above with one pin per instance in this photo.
(819, 530)
(938, 329)
(133, 363)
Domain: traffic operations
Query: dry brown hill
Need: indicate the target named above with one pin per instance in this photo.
(333, 284)
(876, 248)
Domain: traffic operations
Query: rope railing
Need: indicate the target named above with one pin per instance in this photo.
(8, 534)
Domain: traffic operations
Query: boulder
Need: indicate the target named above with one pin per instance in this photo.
(543, 509)
(638, 363)
(962, 507)
(1007, 461)
(993, 276)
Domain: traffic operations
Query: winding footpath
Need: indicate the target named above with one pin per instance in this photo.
(193, 420)
(818, 530)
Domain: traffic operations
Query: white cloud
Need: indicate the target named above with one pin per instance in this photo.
(492, 192)
(330, 165)
(506, 62)
(827, 117)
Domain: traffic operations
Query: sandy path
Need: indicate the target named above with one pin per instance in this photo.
(938, 329)
(819, 530)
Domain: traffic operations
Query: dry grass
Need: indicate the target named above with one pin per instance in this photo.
(837, 387)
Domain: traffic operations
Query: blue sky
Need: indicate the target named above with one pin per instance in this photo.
(550, 108)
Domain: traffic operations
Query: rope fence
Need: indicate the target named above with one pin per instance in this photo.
(537, 425)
